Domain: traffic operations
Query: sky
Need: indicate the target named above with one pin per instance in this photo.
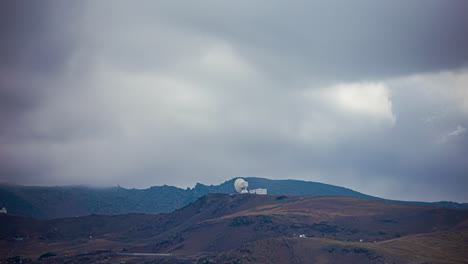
(368, 95)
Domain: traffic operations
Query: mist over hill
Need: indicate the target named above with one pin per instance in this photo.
(71, 201)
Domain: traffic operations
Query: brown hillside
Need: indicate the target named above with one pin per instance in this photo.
(218, 223)
(439, 247)
(338, 218)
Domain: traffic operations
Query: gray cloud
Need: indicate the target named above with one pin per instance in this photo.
(328, 39)
(140, 94)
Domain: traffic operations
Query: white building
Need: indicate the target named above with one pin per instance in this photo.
(258, 191)
(3, 211)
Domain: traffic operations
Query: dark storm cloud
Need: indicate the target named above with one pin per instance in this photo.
(368, 95)
(37, 36)
(36, 40)
(332, 39)
(328, 40)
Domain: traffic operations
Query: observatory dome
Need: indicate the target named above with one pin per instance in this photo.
(241, 186)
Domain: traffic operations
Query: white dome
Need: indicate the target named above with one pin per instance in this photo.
(241, 186)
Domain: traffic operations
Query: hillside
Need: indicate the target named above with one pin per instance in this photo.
(71, 201)
(222, 228)
(444, 247)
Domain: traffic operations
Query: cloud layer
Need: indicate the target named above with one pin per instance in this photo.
(367, 95)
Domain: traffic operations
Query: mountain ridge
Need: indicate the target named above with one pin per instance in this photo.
(46, 202)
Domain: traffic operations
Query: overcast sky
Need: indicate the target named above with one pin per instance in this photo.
(369, 95)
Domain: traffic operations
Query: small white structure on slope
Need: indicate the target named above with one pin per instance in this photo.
(241, 186)
(3, 210)
(258, 191)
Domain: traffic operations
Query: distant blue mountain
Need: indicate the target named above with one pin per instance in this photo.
(70, 201)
